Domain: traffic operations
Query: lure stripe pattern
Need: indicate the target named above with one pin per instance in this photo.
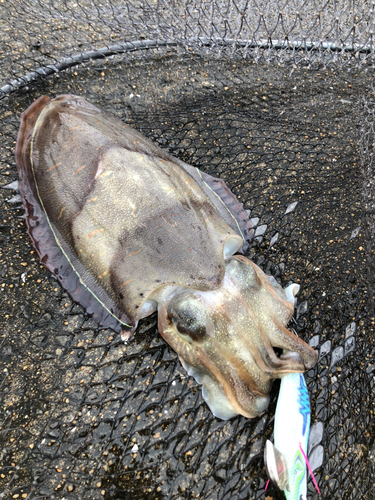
(304, 402)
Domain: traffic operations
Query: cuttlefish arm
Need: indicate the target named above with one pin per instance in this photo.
(226, 338)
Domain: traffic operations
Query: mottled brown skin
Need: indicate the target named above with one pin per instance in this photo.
(125, 226)
(229, 335)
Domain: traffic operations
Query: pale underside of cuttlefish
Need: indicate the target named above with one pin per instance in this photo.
(128, 230)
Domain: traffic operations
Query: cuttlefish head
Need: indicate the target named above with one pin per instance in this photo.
(234, 340)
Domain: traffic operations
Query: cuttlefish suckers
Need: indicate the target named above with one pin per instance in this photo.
(128, 230)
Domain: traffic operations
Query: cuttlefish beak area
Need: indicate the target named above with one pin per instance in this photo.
(234, 340)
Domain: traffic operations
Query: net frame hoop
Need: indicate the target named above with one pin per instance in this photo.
(122, 48)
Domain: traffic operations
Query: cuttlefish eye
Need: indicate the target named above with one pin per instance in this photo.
(188, 319)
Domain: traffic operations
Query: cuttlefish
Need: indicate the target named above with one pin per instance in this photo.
(129, 230)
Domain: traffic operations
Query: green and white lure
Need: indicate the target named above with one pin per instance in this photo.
(286, 461)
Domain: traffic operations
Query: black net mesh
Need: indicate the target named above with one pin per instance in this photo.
(276, 99)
